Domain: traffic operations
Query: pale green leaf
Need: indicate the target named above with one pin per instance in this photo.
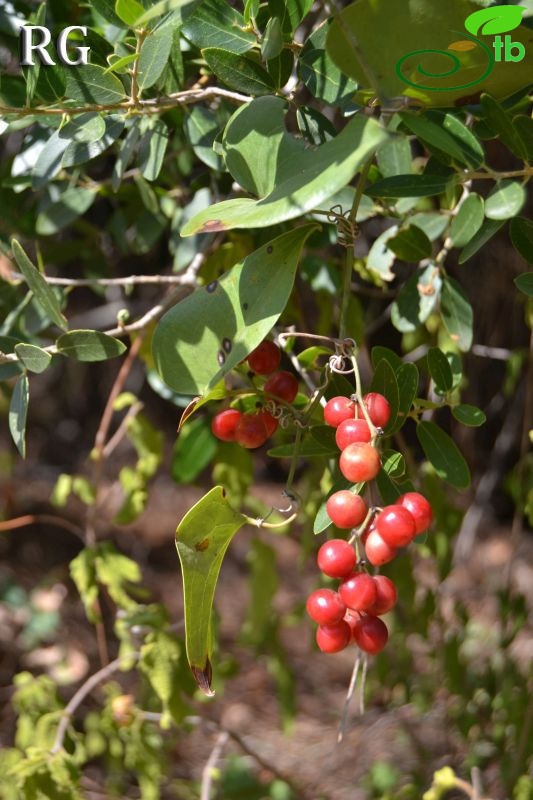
(87, 345)
(18, 412)
(34, 358)
(442, 452)
(155, 52)
(37, 283)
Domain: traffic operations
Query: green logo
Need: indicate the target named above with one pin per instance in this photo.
(488, 21)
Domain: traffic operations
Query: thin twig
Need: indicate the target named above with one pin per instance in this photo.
(43, 519)
(349, 695)
(127, 281)
(208, 770)
(119, 434)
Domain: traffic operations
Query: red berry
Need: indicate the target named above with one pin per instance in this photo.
(396, 526)
(377, 550)
(386, 596)
(378, 408)
(336, 558)
(251, 431)
(419, 507)
(271, 423)
(325, 607)
(359, 462)
(265, 358)
(370, 634)
(283, 385)
(225, 423)
(345, 509)
(350, 431)
(359, 591)
(333, 638)
(337, 410)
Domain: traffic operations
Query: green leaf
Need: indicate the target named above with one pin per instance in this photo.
(319, 72)
(106, 9)
(241, 308)
(501, 123)
(524, 129)
(83, 573)
(152, 149)
(159, 661)
(442, 452)
(457, 314)
(399, 49)
(18, 412)
(393, 463)
(410, 244)
(446, 133)
(416, 300)
(202, 538)
(440, 370)
(214, 23)
(394, 156)
(86, 128)
(469, 415)
(378, 353)
(49, 162)
(86, 345)
(158, 9)
(92, 84)
(37, 283)
(294, 177)
(433, 225)
(384, 381)
(488, 229)
(468, 220)
(71, 204)
(128, 11)
(380, 257)
(154, 55)
(81, 152)
(388, 490)
(308, 449)
(193, 451)
(506, 200)
(521, 230)
(407, 378)
(238, 71)
(524, 283)
(410, 186)
(272, 43)
(490, 21)
(34, 358)
(202, 127)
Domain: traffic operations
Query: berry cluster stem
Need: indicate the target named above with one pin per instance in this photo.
(359, 398)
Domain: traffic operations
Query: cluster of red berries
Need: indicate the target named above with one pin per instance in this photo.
(251, 430)
(352, 613)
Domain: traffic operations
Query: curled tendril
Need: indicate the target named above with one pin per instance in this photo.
(347, 228)
(456, 67)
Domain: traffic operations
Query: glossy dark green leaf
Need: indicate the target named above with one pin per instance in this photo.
(319, 72)
(92, 84)
(393, 463)
(468, 220)
(86, 345)
(272, 42)
(440, 370)
(18, 412)
(241, 308)
(407, 378)
(388, 490)
(524, 128)
(446, 133)
(238, 71)
(489, 228)
(280, 68)
(469, 415)
(215, 24)
(417, 299)
(442, 452)
(502, 124)
(524, 283)
(44, 294)
(410, 244)
(505, 200)
(155, 52)
(457, 314)
(202, 538)
(152, 149)
(384, 381)
(409, 186)
(34, 358)
(314, 126)
(521, 230)
(290, 177)
(106, 9)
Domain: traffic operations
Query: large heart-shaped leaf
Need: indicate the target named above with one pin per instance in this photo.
(406, 49)
(204, 336)
(290, 177)
(202, 538)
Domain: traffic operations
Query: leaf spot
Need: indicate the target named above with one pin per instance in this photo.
(221, 358)
(270, 249)
(212, 225)
(462, 46)
(211, 286)
(203, 545)
(226, 345)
